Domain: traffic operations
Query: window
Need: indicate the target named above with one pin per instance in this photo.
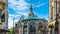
(57, 7)
(16, 25)
(58, 11)
(3, 18)
(32, 28)
(25, 30)
(32, 25)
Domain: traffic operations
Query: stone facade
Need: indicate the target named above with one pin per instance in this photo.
(54, 15)
(3, 16)
(32, 25)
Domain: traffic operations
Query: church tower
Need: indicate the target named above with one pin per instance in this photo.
(31, 11)
(54, 14)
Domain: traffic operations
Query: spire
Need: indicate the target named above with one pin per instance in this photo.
(31, 12)
(31, 8)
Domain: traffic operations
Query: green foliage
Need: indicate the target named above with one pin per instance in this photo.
(51, 26)
(12, 31)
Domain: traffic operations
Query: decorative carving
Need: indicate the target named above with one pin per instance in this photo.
(2, 5)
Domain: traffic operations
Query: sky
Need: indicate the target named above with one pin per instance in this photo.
(17, 8)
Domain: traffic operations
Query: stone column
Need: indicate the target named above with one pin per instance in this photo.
(36, 29)
(28, 28)
(22, 28)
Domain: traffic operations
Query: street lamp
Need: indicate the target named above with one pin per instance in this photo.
(13, 22)
(13, 26)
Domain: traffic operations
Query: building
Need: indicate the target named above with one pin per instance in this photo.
(54, 16)
(32, 25)
(3, 17)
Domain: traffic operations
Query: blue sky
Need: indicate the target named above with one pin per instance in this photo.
(16, 8)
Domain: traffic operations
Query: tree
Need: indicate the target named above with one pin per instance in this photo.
(12, 31)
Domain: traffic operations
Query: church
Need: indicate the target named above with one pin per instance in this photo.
(31, 25)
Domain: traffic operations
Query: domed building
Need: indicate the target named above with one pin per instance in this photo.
(32, 25)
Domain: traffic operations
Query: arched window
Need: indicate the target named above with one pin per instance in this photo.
(32, 25)
(32, 28)
(16, 25)
(3, 18)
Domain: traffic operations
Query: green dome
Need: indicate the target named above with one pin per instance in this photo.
(34, 17)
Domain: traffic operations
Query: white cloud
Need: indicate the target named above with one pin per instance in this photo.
(41, 4)
(16, 5)
(14, 15)
(10, 21)
(44, 16)
(19, 5)
(10, 24)
(22, 13)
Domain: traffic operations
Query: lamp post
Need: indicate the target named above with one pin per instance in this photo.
(13, 22)
(13, 25)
